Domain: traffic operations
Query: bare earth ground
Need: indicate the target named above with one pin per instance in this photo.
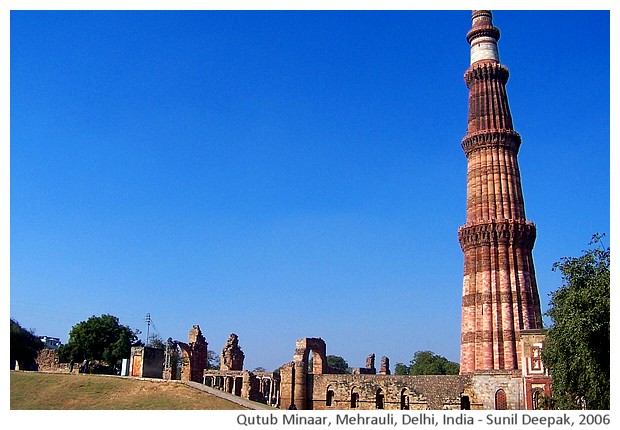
(35, 390)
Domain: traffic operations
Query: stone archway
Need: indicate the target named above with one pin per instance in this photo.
(186, 365)
(500, 400)
(355, 398)
(329, 396)
(193, 355)
(317, 347)
(379, 398)
(404, 399)
(294, 375)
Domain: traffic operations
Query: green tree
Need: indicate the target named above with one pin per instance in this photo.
(213, 360)
(99, 338)
(24, 346)
(429, 363)
(337, 364)
(577, 345)
(401, 369)
(155, 341)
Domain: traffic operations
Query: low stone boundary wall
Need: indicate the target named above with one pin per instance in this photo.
(47, 361)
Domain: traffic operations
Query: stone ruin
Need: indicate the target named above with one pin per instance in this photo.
(370, 362)
(232, 356)
(317, 386)
(370, 368)
(194, 356)
(258, 386)
(385, 366)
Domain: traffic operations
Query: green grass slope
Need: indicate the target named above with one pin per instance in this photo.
(34, 390)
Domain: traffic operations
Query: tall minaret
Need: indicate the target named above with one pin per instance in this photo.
(500, 297)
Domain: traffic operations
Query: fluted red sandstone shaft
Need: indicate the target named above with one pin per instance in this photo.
(500, 296)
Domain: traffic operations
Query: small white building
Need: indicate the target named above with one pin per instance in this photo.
(50, 342)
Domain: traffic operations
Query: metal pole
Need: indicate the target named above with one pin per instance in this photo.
(148, 326)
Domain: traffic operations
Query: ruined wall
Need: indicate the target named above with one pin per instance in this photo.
(486, 385)
(232, 356)
(287, 384)
(194, 355)
(296, 383)
(316, 388)
(369, 369)
(47, 361)
(386, 391)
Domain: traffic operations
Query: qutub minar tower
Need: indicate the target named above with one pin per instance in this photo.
(500, 296)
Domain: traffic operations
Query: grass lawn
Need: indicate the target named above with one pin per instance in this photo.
(34, 390)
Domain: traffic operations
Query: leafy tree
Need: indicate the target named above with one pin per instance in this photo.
(429, 363)
(24, 346)
(335, 363)
(213, 360)
(99, 338)
(577, 345)
(401, 369)
(338, 364)
(155, 341)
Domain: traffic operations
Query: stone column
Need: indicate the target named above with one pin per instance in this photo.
(300, 385)
(287, 385)
(246, 387)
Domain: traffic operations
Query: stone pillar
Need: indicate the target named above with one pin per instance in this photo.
(287, 385)
(246, 388)
(232, 356)
(385, 366)
(198, 357)
(300, 384)
(370, 363)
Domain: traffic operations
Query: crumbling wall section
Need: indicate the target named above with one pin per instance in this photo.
(287, 385)
(437, 392)
(232, 356)
(194, 356)
(47, 361)
(369, 369)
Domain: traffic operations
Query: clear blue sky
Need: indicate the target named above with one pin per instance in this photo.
(283, 175)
